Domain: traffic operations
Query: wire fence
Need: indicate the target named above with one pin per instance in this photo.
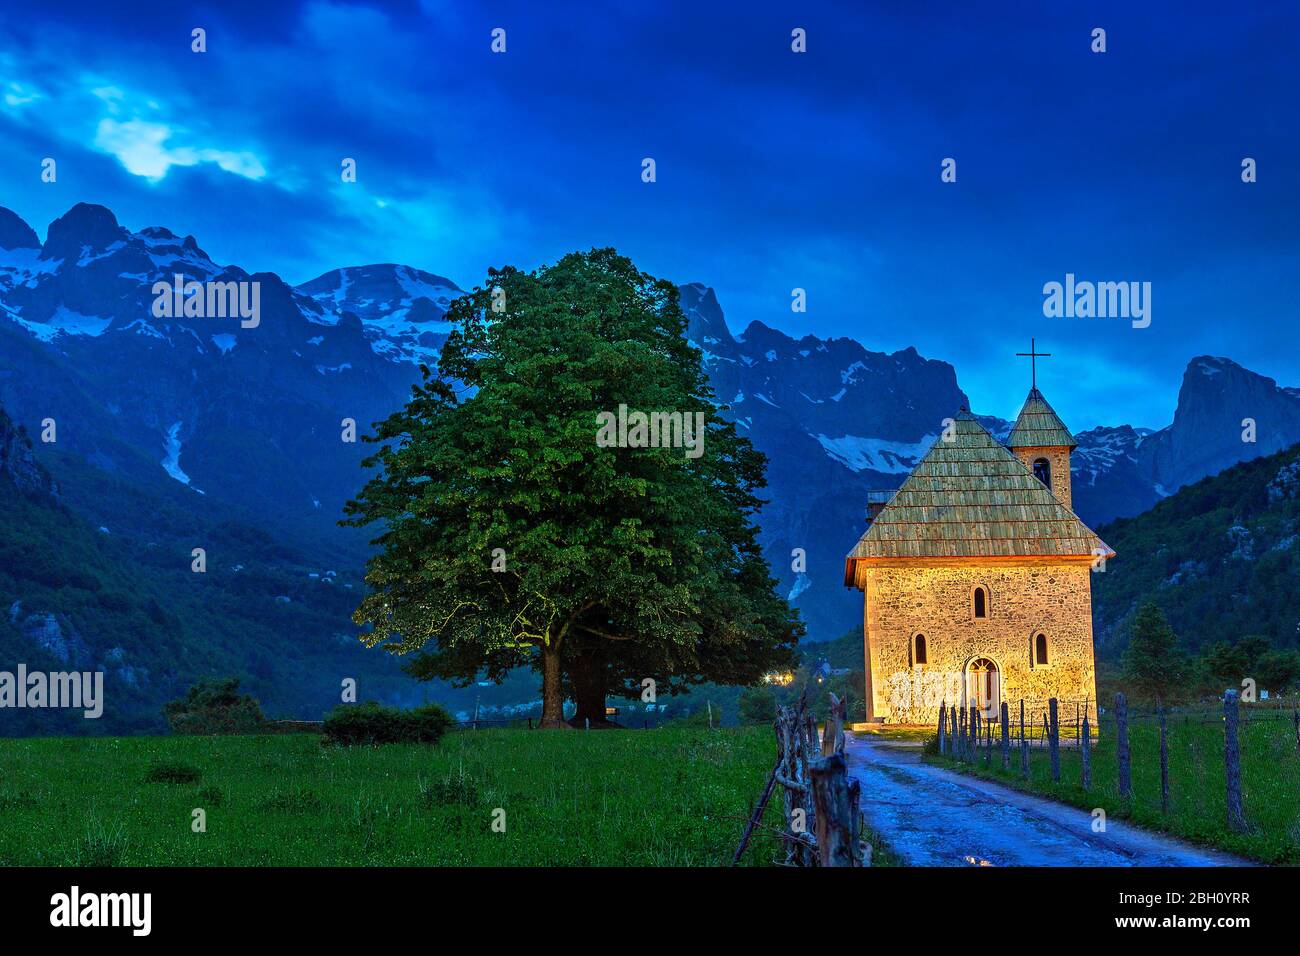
(1207, 744)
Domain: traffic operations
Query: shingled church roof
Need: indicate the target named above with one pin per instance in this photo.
(972, 498)
(1039, 426)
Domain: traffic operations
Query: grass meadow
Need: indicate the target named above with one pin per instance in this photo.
(666, 797)
(1270, 775)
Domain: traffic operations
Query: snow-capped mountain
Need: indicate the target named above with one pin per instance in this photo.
(254, 417)
(248, 412)
(400, 308)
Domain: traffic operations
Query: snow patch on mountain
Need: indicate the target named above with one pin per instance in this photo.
(402, 310)
(876, 454)
(64, 321)
(172, 462)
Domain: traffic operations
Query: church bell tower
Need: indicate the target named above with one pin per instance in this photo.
(1041, 440)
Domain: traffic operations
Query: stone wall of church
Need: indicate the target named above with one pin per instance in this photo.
(1053, 599)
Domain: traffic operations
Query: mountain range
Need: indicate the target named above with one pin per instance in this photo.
(175, 433)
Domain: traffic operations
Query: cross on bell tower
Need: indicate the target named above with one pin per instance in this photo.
(1033, 355)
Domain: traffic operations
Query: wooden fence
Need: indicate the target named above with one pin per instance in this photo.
(821, 805)
(964, 736)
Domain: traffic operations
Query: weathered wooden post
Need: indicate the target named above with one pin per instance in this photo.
(959, 718)
(1024, 744)
(834, 825)
(1164, 761)
(833, 733)
(943, 726)
(1232, 761)
(975, 734)
(1054, 738)
(1006, 742)
(1297, 729)
(1121, 746)
(1085, 756)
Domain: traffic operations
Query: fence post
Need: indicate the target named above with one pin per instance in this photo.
(833, 821)
(1024, 744)
(1006, 744)
(959, 718)
(943, 725)
(1054, 738)
(1297, 713)
(1232, 761)
(1085, 745)
(1164, 761)
(1121, 746)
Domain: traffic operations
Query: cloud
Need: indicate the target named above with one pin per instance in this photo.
(141, 147)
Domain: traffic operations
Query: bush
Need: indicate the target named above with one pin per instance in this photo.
(215, 707)
(172, 773)
(757, 705)
(373, 723)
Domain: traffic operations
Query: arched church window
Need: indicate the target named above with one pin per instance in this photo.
(1043, 471)
(1040, 649)
(919, 655)
(981, 602)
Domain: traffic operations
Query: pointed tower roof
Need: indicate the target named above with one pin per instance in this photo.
(1039, 426)
(972, 498)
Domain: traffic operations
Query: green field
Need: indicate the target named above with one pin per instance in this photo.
(667, 797)
(1270, 769)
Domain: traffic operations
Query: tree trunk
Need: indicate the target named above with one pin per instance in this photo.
(587, 672)
(552, 692)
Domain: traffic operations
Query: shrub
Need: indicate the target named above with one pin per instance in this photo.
(215, 707)
(172, 773)
(456, 788)
(373, 723)
(757, 705)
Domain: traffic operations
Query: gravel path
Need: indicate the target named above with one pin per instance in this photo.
(935, 817)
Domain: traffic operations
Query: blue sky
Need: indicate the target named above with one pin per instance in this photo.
(775, 170)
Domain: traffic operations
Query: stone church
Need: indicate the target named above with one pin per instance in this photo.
(976, 577)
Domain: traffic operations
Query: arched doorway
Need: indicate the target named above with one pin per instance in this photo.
(984, 687)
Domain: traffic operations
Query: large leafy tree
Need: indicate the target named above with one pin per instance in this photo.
(507, 534)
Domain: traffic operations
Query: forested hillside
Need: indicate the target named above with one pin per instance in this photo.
(1221, 557)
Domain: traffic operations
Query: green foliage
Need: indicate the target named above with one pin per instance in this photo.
(637, 798)
(373, 723)
(757, 705)
(1224, 665)
(215, 707)
(453, 788)
(128, 601)
(1220, 557)
(1277, 671)
(173, 773)
(1197, 786)
(1153, 663)
(649, 553)
(701, 716)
